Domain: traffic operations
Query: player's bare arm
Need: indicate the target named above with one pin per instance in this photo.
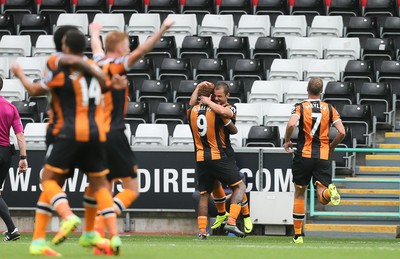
(95, 41)
(194, 98)
(218, 109)
(289, 130)
(340, 135)
(33, 89)
(149, 44)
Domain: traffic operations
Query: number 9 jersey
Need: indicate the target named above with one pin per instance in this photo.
(315, 119)
(205, 125)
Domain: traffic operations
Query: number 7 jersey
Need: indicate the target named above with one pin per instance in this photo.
(76, 101)
(315, 119)
(208, 137)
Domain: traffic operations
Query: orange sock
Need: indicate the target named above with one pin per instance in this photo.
(99, 225)
(245, 206)
(42, 217)
(234, 212)
(123, 200)
(325, 197)
(219, 199)
(90, 205)
(57, 198)
(202, 223)
(298, 216)
(105, 205)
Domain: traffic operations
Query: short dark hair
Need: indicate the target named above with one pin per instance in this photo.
(1, 83)
(315, 86)
(59, 34)
(222, 85)
(75, 40)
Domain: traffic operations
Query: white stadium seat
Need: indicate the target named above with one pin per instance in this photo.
(151, 134)
(347, 48)
(266, 91)
(110, 22)
(295, 91)
(44, 46)
(303, 47)
(286, 69)
(290, 26)
(253, 26)
(185, 25)
(143, 25)
(216, 26)
(35, 134)
(80, 20)
(13, 90)
(249, 113)
(182, 136)
(326, 26)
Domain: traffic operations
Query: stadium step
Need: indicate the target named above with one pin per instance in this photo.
(389, 230)
(392, 137)
(369, 202)
(370, 170)
(379, 160)
(370, 191)
(387, 145)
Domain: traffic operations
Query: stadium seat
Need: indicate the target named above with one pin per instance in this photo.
(380, 8)
(359, 118)
(248, 71)
(182, 136)
(185, 25)
(309, 8)
(237, 139)
(273, 8)
(286, 69)
(290, 26)
(342, 159)
(17, 8)
(212, 70)
(126, 7)
(305, 47)
(249, 113)
(175, 70)
(390, 73)
(80, 20)
(236, 91)
(197, 7)
(390, 29)
(379, 50)
(277, 114)
(266, 91)
(185, 90)
(232, 48)
(143, 25)
(164, 48)
(90, 7)
(326, 69)
(142, 69)
(151, 134)
(252, 27)
(53, 8)
(4, 68)
(379, 96)
(263, 136)
(110, 22)
(15, 45)
(35, 135)
(170, 114)
(137, 113)
(196, 48)
(163, 7)
(42, 104)
(216, 26)
(235, 7)
(7, 26)
(34, 25)
(358, 72)
(44, 46)
(27, 111)
(362, 28)
(33, 66)
(295, 92)
(339, 94)
(88, 45)
(344, 8)
(13, 90)
(326, 26)
(343, 48)
(269, 48)
(153, 92)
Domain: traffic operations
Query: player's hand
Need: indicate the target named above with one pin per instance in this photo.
(119, 82)
(95, 27)
(167, 24)
(22, 166)
(17, 70)
(205, 100)
(205, 83)
(288, 147)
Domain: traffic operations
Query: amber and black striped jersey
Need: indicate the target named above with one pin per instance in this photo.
(226, 141)
(208, 133)
(76, 103)
(115, 101)
(315, 119)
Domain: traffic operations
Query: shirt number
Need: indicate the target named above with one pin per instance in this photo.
(202, 125)
(317, 118)
(91, 92)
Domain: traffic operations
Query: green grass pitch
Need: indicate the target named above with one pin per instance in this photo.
(188, 247)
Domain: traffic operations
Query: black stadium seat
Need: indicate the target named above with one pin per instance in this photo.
(143, 69)
(153, 92)
(185, 90)
(170, 114)
(380, 8)
(232, 48)
(90, 7)
(34, 25)
(53, 8)
(359, 72)
(309, 8)
(269, 48)
(345, 8)
(248, 70)
(263, 136)
(390, 73)
(235, 7)
(175, 70)
(126, 7)
(339, 94)
(390, 29)
(136, 113)
(164, 48)
(273, 8)
(362, 28)
(379, 50)
(197, 7)
(27, 111)
(196, 48)
(7, 26)
(359, 119)
(163, 7)
(212, 70)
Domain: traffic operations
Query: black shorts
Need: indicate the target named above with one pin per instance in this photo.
(303, 169)
(120, 157)
(5, 163)
(65, 154)
(223, 170)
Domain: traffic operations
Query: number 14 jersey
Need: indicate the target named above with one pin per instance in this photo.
(315, 119)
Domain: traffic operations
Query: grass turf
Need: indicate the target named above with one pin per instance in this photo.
(138, 246)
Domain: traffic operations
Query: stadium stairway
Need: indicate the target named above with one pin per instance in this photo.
(370, 205)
